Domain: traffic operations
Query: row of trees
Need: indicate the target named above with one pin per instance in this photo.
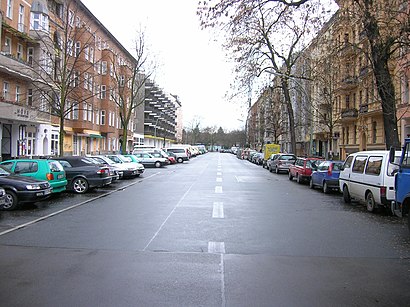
(213, 136)
(267, 38)
(67, 57)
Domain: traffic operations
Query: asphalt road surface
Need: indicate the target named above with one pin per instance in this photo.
(215, 231)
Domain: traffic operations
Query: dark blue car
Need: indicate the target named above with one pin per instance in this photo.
(326, 176)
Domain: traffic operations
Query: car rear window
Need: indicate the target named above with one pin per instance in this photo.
(177, 150)
(337, 166)
(55, 166)
(287, 157)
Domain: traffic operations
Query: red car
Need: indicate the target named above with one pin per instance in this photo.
(302, 169)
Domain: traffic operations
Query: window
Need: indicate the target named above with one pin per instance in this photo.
(102, 117)
(97, 117)
(25, 167)
(30, 97)
(99, 43)
(87, 52)
(30, 54)
(374, 132)
(103, 91)
(70, 47)
(122, 80)
(90, 113)
(19, 52)
(359, 163)
(104, 67)
(348, 162)
(54, 151)
(20, 25)
(91, 54)
(374, 166)
(85, 109)
(77, 22)
(18, 93)
(39, 22)
(7, 45)
(9, 9)
(77, 49)
(6, 89)
(76, 78)
(75, 110)
(86, 80)
(71, 18)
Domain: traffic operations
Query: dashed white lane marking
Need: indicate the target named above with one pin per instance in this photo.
(218, 210)
(219, 173)
(219, 179)
(218, 189)
(216, 247)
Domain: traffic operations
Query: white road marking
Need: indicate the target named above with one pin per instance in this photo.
(219, 179)
(216, 247)
(218, 210)
(219, 173)
(75, 206)
(218, 189)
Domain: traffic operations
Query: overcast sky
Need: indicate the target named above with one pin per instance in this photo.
(191, 64)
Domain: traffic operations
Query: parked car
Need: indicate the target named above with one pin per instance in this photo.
(159, 153)
(116, 172)
(302, 169)
(42, 169)
(83, 174)
(129, 168)
(147, 160)
(172, 157)
(21, 189)
(2, 197)
(368, 176)
(181, 153)
(326, 176)
(280, 162)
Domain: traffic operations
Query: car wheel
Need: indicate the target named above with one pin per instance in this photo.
(370, 203)
(11, 201)
(290, 176)
(276, 170)
(311, 185)
(298, 178)
(157, 164)
(80, 185)
(180, 160)
(346, 195)
(326, 189)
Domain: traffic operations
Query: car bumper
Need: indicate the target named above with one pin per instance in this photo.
(334, 184)
(99, 182)
(33, 196)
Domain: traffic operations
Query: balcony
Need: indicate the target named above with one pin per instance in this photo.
(16, 67)
(348, 82)
(364, 108)
(350, 113)
(364, 70)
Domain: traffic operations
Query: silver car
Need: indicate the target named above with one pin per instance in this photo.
(281, 162)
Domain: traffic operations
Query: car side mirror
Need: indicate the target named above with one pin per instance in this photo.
(392, 153)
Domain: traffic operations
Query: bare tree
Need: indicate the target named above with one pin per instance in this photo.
(127, 88)
(267, 37)
(57, 66)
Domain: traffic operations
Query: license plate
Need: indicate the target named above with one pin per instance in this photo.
(60, 176)
(45, 192)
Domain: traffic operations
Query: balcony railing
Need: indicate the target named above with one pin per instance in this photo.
(350, 113)
(364, 108)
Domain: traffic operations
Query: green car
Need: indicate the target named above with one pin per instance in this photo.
(43, 169)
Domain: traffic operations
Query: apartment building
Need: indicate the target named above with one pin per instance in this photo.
(63, 73)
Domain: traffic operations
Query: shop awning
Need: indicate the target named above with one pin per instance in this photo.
(96, 136)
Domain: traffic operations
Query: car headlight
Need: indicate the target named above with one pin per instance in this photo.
(2, 192)
(33, 187)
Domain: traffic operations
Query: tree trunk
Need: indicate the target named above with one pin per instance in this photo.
(380, 53)
(124, 140)
(291, 116)
(61, 137)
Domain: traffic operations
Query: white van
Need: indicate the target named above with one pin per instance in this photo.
(367, 176)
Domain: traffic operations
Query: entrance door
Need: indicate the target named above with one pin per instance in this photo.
(6, 142)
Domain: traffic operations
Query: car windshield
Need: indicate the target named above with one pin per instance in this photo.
(55, 166)
(3, 172)
(88, 161)
(115, 159)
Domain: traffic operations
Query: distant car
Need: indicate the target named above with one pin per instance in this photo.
(116, 172)
(129, 168)
(182, 153)
(326, 176)
(302, 169)
(42, 169)
(280, 162)
(171, 157)
(159, 153)
(148, 160)
(83, 174)
(21, 189)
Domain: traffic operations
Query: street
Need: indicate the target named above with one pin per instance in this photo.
(214, 231)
